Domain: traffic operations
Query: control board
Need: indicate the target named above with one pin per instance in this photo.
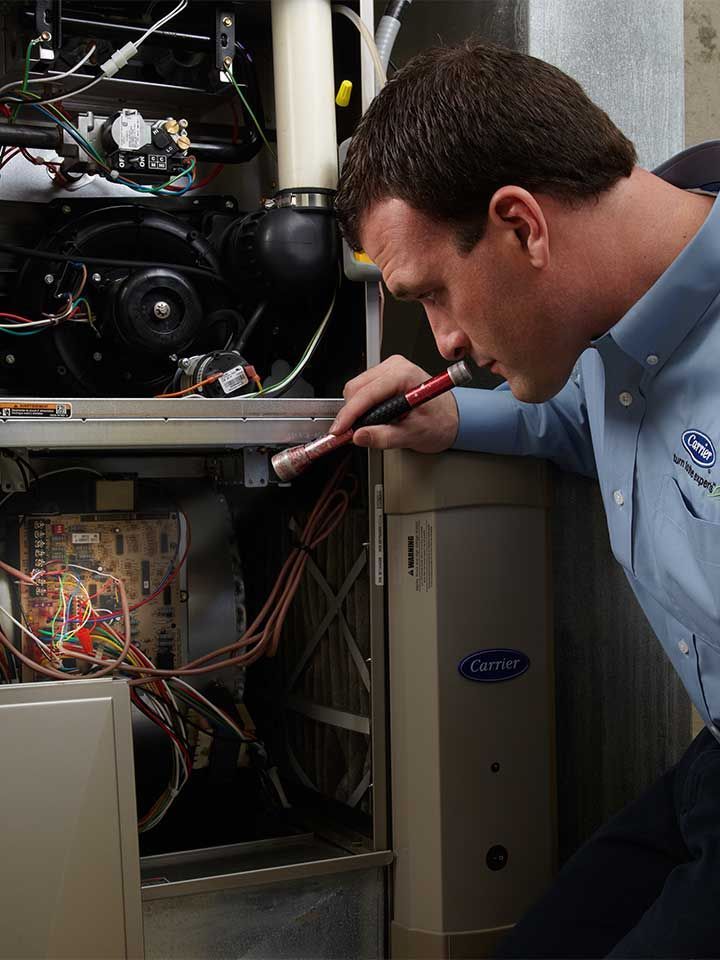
(141, 550)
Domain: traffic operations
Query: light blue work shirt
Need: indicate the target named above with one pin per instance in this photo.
(641, 412)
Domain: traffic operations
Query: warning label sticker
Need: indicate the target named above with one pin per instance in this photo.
(379, 523)
(32, 409)
(420, 556)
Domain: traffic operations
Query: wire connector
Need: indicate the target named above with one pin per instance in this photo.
(118, 60)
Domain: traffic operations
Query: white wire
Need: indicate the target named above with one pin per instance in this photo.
(304, 360)
(367, 37)
(52, 76)
(45, 649)
(29, 323)
(161, 23)
(102, 574)
(69, 94)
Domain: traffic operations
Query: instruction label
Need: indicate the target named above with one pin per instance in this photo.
(420, 556)
(32, 409)
(379, 525)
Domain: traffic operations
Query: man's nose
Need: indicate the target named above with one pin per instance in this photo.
(451, 341)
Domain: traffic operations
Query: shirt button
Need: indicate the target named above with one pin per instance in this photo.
(652, 359)
(618, 497)
(683, 647)
(625, 398)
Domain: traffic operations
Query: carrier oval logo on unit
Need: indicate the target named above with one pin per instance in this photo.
(700, 447)
(495, 665)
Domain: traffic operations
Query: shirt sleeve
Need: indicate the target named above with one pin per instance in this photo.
(493, 421)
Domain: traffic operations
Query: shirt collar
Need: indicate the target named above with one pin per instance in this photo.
(656, 325)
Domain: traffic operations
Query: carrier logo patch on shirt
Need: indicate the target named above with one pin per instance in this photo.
(700, 447)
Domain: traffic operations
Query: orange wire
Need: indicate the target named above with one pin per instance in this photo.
(195, 386)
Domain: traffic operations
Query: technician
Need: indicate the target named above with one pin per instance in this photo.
(486, 185)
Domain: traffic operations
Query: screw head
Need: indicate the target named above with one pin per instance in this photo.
(96, 278)
(97, 356)
(66, 208)
(61, 370)
(161, 310)
(227, 21)
(10, 358)
(227, 61)
(49, 278)
(46, 36)
(229, 204)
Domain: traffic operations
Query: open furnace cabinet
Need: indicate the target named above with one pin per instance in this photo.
(261, 802)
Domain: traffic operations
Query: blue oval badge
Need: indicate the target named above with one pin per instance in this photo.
(492, 666)
(700, 447)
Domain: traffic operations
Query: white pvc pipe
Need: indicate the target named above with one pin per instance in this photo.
(304, 94)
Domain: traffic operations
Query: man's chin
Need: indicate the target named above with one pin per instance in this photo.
(529, 392)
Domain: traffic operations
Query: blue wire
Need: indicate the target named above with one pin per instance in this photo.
(22, 333)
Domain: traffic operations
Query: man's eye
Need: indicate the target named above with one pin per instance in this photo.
(428, 297)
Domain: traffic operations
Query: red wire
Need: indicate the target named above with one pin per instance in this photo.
(14, 316)
(219, 167)
(155, 719)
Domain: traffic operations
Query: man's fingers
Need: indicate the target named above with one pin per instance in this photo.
(373, 393)
(393, 376)
(381, 438)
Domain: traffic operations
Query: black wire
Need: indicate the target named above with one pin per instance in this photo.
(251, 324)
(49, 255)
(190, 723)
(28, 470)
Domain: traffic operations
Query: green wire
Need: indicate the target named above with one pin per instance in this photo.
(32, 44)
(26, 75)
(229, 72)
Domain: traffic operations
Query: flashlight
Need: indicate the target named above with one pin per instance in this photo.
(290, 463)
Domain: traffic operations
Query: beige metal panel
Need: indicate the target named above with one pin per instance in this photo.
(472, 763)
(70, 872)
(415, 483)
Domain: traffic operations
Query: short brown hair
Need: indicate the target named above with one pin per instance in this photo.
(459, 122)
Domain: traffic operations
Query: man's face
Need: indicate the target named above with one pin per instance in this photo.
(492, 304)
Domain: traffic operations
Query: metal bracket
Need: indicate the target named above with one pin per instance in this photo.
(48, 19)
(12, 477)
(255, 467)
(224, 40)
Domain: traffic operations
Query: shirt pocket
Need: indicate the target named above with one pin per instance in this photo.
(687, 552)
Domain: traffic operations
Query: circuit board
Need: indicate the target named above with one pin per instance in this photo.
(138, 549)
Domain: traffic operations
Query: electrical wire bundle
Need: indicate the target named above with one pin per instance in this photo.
(22, 326)
(261, 638)
(26, 97)
(82, 633)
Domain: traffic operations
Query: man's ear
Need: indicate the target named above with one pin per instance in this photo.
(516, 211)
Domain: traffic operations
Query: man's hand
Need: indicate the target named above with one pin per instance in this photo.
(430, 428)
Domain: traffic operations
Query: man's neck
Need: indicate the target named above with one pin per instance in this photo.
(632, 236)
